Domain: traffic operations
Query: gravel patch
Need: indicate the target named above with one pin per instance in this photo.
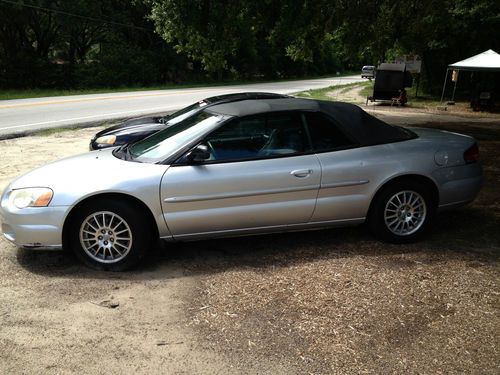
(322, 302)
(339, 302)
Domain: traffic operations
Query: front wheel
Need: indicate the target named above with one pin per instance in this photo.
(110, 235)
(402, 212)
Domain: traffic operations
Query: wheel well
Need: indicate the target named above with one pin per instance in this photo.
(108, 196)
(426, 181)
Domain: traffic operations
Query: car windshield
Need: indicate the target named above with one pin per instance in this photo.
(183, 113)
(166, 142)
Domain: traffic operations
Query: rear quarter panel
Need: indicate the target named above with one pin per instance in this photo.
(351, 178)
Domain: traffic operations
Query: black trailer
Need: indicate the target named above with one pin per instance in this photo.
(390, 83)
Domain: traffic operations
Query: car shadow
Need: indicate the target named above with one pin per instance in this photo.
(469, 233)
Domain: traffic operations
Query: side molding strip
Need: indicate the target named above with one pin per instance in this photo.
(344, 183)
(194, 198)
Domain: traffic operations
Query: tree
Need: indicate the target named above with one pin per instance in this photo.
(88, 43)
(243, 36)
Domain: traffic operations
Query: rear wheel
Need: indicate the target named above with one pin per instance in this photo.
(110, 235)
(402, 212)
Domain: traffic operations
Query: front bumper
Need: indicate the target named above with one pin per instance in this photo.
(33, 227)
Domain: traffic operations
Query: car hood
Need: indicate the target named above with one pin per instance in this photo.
(134, 125)
(74, 178)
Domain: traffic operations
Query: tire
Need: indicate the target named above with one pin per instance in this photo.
(402, 212)
(110, 235)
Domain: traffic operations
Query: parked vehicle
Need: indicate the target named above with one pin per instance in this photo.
(240, 168)
(133, 130)
(368, 71)
(390, 84)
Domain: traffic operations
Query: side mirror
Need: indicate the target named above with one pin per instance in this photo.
(198, 154)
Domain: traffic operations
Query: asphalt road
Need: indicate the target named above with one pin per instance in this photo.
(27, 115)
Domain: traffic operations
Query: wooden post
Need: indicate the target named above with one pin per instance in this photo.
(444, 85)
(455, 78)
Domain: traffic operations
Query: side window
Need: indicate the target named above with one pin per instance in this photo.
(258, 137)
(286, 135)
(239, 139)
(325, 135)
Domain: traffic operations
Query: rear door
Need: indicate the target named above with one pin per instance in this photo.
(261, 174)
(345, 189)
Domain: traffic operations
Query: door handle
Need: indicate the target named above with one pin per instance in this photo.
(301, 173)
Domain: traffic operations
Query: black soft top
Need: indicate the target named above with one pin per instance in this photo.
(242, 96)
(354, 121)
(365, 128)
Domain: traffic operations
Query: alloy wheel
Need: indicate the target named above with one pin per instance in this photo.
(405, 213)
(105, 237)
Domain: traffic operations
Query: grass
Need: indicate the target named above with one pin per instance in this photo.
(40, 93)
(368, 89)
(323, 94)
(53, 131)
(423, 100)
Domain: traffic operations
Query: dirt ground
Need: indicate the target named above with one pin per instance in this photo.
(321, 302)
(58, 317)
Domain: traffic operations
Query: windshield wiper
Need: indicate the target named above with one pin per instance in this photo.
(118, 152)
(127, 153)
(123, 152)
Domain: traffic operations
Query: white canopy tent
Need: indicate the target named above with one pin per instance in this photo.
(488, 61)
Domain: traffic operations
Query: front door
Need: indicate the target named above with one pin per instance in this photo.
(259, 176)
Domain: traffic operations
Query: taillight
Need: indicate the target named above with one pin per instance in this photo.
(471, 155)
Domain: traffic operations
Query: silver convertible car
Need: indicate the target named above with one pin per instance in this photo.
(240, 168)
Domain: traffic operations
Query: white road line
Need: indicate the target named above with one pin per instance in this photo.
(17, 114)
(95, 99)
(93, 116)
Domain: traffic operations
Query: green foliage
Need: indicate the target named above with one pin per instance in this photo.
(83, 43)
(272, 38)
(114, 43)
(440, 31)
(367, 90)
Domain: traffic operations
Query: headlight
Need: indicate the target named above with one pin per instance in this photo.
(31, 197)
(106, 140)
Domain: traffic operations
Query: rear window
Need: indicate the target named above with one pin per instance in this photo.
(325, 135)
